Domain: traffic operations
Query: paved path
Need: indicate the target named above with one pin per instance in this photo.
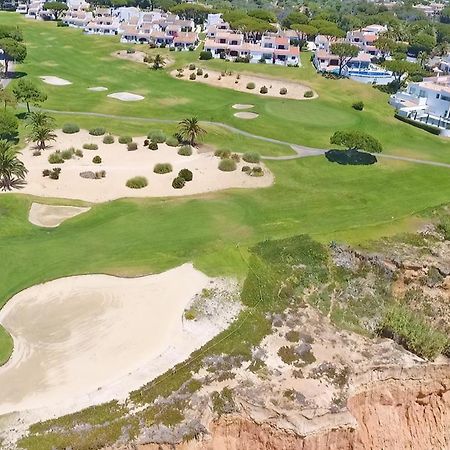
(5, 81)
(300, 150)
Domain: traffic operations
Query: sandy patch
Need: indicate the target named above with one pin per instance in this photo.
(246, 115)
(121, 165)
(55, 81)
(100, 337)
(242, 106)
(126, 96)
(97, 89)
(294, 90)
(51, 216)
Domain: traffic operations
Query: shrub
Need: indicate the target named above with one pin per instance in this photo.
(46, 172)
(186, 174)
(308, 94)
(54, 174)
(130, 50)
(263, 90)
(100, 174)
(192, 76)
(246, 169)
(257, 172)
(67, 154)
(227, 165)
(199, 72)
(172, 141)
(153, 146)
(88, 174)
(100, 131)
(429, 128)
(283, 91)
(186, 150)
(206, 75)
(90, 146)
(162, 168)
(172, 49)
(132, 146)
(79, 153)
(157, 136)
(251, 85)
(108, 139)
(178, 183)
(191, 66)
(125, 139)
(222, 154)
(55, 158)
(205, 55)
(235, 157)
(137, 182)
(146, 142)
(96, 159)
(251, 157)
(359, 106)
(70, 128)
(37, 153)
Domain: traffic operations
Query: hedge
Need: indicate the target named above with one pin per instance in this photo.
(429, 128)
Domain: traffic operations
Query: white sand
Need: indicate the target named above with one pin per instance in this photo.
(242, 106)
(97, 89)
(126, 96)
(121, 165)
(88, 339)
(51, 216)
(294, 90)
(55, 81)
(246, 115)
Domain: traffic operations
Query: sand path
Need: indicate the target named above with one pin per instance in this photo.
(51, 216)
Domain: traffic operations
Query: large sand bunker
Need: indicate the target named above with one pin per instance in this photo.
(88, 339)
(55, 81)
(51, 216)
(126, 96)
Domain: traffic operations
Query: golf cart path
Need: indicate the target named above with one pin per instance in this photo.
(300, 150)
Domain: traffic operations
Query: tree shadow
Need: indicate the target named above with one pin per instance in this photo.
(16, 74)
(350, 157)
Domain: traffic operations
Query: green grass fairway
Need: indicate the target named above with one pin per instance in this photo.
(87, 61)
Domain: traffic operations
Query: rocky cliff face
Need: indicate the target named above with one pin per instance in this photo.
(394, 409)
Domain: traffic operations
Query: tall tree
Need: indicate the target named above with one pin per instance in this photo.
(12, 51)
(356, 140)
(401, 68)
(26, 91)
(12, 169)
(345, 52)
(7, 98)
(191, 130)
(9, 31)
(56, 8)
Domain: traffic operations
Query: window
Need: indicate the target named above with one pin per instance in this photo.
(422, 93)
(445, 98)
(437, 95)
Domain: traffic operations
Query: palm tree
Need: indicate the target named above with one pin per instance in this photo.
(158, 62)
(41, 134)
(191, 130)
(422, 58)
(12, 169)
(37, 119)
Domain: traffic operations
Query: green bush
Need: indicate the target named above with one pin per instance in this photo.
(222, 154)
(54, 174)
(67, 154)
(96, 159)
(206, 75)
(99, 131)
(423, 126)
(227, 165)
(137, 182)
(90, 146)
(70, 128)
(186, 150)
(153, 146)
(257, 172)
(55, 158)
(157, 136)
(46, 172)
(308, 94)
(178, 183)
(235, 157)
(283, 91)
(172, 141)
(205, 55)
(162, 168)
(251, 157)
(192, 76)
(125, 139)
(246, 169)
(251, 85)
(79, 153)
(186, 174)
(131, 146)
(359, 106)
(263, 90)
(108, 139)
(191, 66)
(199, 72)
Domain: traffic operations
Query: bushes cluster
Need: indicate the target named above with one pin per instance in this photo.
(172, 141)
(251, 157)
(99, 131)
(205, 55)
(222, 154)
(125, 139)
(67, 154)
(283, 91)
(256, 172)
(251, 85)
(227, 165)
(186, 174)
(157, 136)
(93, 175)
(108, 139)
(55, 158)
(90, 146)
(52, 174)
(308, 94)
(263, 90)
(185, 150)
(137, 182)
(70, 128)
(359, 106)
(131, 146)
(162, 168)
(96, 159)
(178, 183)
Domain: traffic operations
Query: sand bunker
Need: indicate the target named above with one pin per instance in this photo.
(55, 81)
(51, 216)
(239, 82)
(121, 165)
(126, 96)
(100, 337)
(138, 56)
(246, 115)
(242, 106)
(97, 89)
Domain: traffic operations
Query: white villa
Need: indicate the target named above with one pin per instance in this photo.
(427, 101)
(365, 38)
